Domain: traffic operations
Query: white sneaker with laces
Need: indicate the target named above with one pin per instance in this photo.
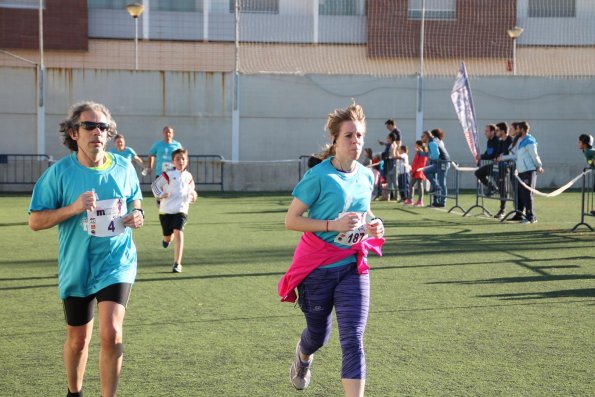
(176, 268)
(299, 372)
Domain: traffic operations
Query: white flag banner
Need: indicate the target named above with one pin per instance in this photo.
(463, 103)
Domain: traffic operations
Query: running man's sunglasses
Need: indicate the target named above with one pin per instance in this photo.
(91, 125)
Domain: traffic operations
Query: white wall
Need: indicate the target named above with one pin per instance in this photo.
(282, 116)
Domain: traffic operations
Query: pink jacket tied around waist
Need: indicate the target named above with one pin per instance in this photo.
(313, 252)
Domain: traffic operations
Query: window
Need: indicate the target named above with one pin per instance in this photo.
(109, 4)
(552, 9)
(338, 7)
(23, 4)
(256, 6)
(435, 9)
(178, 5)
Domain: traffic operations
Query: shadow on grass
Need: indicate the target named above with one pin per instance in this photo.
(565, 293)
(29, 287)
(207, 276)
(527, 279)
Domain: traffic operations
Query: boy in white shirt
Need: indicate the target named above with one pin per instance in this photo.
(175, 189)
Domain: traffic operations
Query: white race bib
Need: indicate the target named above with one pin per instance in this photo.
(353, 236)
(108, 218)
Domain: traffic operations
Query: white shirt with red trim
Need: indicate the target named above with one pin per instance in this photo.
(179, 186)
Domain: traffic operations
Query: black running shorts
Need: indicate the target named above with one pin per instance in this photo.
(79, 311)
(171, 222)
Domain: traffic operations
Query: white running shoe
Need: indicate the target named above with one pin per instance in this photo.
(177, 268)
(299, 372)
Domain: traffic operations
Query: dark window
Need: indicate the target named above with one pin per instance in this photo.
(109, 4)
(435, 9)
(24, 4)
(256, 6)
(552, 8)
(338, 7)
(177, 5)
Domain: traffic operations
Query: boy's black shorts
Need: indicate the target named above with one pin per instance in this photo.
(79, 311)
(171, 222)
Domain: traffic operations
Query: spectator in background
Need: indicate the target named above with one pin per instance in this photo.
(528, 165)
(313, 161)
(367, 157)
(585, 143)
(126, 151)
(389, 167)
(417, 174)
(504, 142)
(94, 197)
(403, 169)
(431, 170)
(367, 160)
(160, 152)
(391, 126)
(514, 132)
(442, 168)
(492, 151)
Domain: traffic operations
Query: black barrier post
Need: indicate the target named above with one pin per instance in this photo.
(456, 188)
(587, 177)
(479, 194)
(514, 185)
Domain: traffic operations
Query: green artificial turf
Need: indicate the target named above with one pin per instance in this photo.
(461, 306)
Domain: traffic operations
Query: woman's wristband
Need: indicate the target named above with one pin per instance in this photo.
(327, 225)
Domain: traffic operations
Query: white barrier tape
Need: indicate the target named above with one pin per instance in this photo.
(556, 192)
(259, 161)
(455, 165)
(464, 169)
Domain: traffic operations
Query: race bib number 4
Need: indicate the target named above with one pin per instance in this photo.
(108, 218)
(353, 236)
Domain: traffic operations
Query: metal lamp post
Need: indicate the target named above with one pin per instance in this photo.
(514, 34)
(135, 9)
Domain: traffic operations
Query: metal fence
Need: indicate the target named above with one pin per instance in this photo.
(22, 169)
(587, 199)
(496, 181)
(207, 170)
(25, 169)
(445, 181)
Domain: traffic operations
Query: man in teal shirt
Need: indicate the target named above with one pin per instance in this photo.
(160, 152)
(94, 198)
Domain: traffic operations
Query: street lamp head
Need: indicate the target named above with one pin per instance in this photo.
(515, 32)
(135, 9)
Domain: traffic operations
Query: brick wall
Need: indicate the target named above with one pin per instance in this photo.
(479, 30)
(64, 26)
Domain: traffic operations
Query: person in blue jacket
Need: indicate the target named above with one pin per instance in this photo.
(528, 165)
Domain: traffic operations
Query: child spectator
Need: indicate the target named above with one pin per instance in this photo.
(367, 160)
(175, 190)
(403, 169)
(417, 175)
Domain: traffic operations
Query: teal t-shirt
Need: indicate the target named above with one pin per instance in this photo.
(162, 152)
(328, 192)
(86, 263)
(128, 153)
